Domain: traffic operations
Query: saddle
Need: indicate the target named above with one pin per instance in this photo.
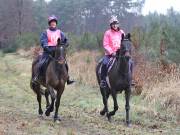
(109, 67)
(110, 63)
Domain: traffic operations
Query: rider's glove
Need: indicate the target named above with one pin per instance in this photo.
(113, 54)
(46, 48)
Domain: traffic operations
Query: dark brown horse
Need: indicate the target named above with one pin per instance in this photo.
(119, 79)
(53, 80)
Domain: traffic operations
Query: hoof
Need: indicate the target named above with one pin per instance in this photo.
(102, 112)
(40, 112)
(51, 109)
(128, 124)
(47, 112)
(57, 119)
(40, 116)
(109, 117)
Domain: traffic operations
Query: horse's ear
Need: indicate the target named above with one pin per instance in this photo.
(58, 41)
(128, 36)
(122, 35)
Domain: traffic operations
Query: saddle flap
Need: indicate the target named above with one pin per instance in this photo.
(110, 63)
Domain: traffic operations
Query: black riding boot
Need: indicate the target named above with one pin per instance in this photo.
(39, 70)
(42, 62)
(103, 83)
(68, 80)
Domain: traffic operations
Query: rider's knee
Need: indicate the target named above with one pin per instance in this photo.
(105, 60)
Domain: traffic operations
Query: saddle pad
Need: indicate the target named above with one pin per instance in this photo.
(109, 66)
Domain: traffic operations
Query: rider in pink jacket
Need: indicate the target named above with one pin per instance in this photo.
(111, 43)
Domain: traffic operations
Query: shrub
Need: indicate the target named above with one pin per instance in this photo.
(24, 41)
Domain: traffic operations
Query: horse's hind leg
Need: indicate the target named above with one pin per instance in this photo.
(114, 96)
(127, 106)
(105, 96)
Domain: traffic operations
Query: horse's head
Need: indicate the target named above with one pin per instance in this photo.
(60, 52)
(125, 50)
(124, 53)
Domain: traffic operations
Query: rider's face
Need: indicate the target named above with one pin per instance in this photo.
(53, 24)
(115, 26)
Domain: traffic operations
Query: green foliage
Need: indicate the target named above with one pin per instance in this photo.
(40, 14)
(74, 41)
(87, 41)
(80, 16)
(158, 28)
(85, 21)
(25, 41)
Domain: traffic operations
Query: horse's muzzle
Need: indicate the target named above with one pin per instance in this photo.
(127, 55)
(61, 60)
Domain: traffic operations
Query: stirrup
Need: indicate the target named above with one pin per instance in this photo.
(70, 82)
(133, 83)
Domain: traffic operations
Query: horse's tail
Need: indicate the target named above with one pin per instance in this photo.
(36, 88)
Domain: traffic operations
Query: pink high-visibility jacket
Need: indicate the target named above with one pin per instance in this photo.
(112, 41)
(53, 36)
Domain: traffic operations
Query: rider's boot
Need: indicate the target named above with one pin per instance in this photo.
(103, 83)
(69, 81)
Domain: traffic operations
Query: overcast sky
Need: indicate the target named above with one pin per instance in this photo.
(160, 6)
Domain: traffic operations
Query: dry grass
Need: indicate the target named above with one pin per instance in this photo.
(166, 93)
(159, 83)
(79, 108)
(81, 64)
(82, 67)
(156, 82)
(30, 53)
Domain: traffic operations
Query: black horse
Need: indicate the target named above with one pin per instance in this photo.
(119, 79)
(54, 79)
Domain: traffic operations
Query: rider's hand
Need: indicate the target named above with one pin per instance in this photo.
(46, 48)
(113, 54)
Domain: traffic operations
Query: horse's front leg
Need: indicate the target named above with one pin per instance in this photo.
(58, 98)
(39, 101)
(105, 97)
(51, 107)
(114, 96)
(127, 106)
(47, 98)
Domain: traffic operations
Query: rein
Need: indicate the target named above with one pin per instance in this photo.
(56, 60)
